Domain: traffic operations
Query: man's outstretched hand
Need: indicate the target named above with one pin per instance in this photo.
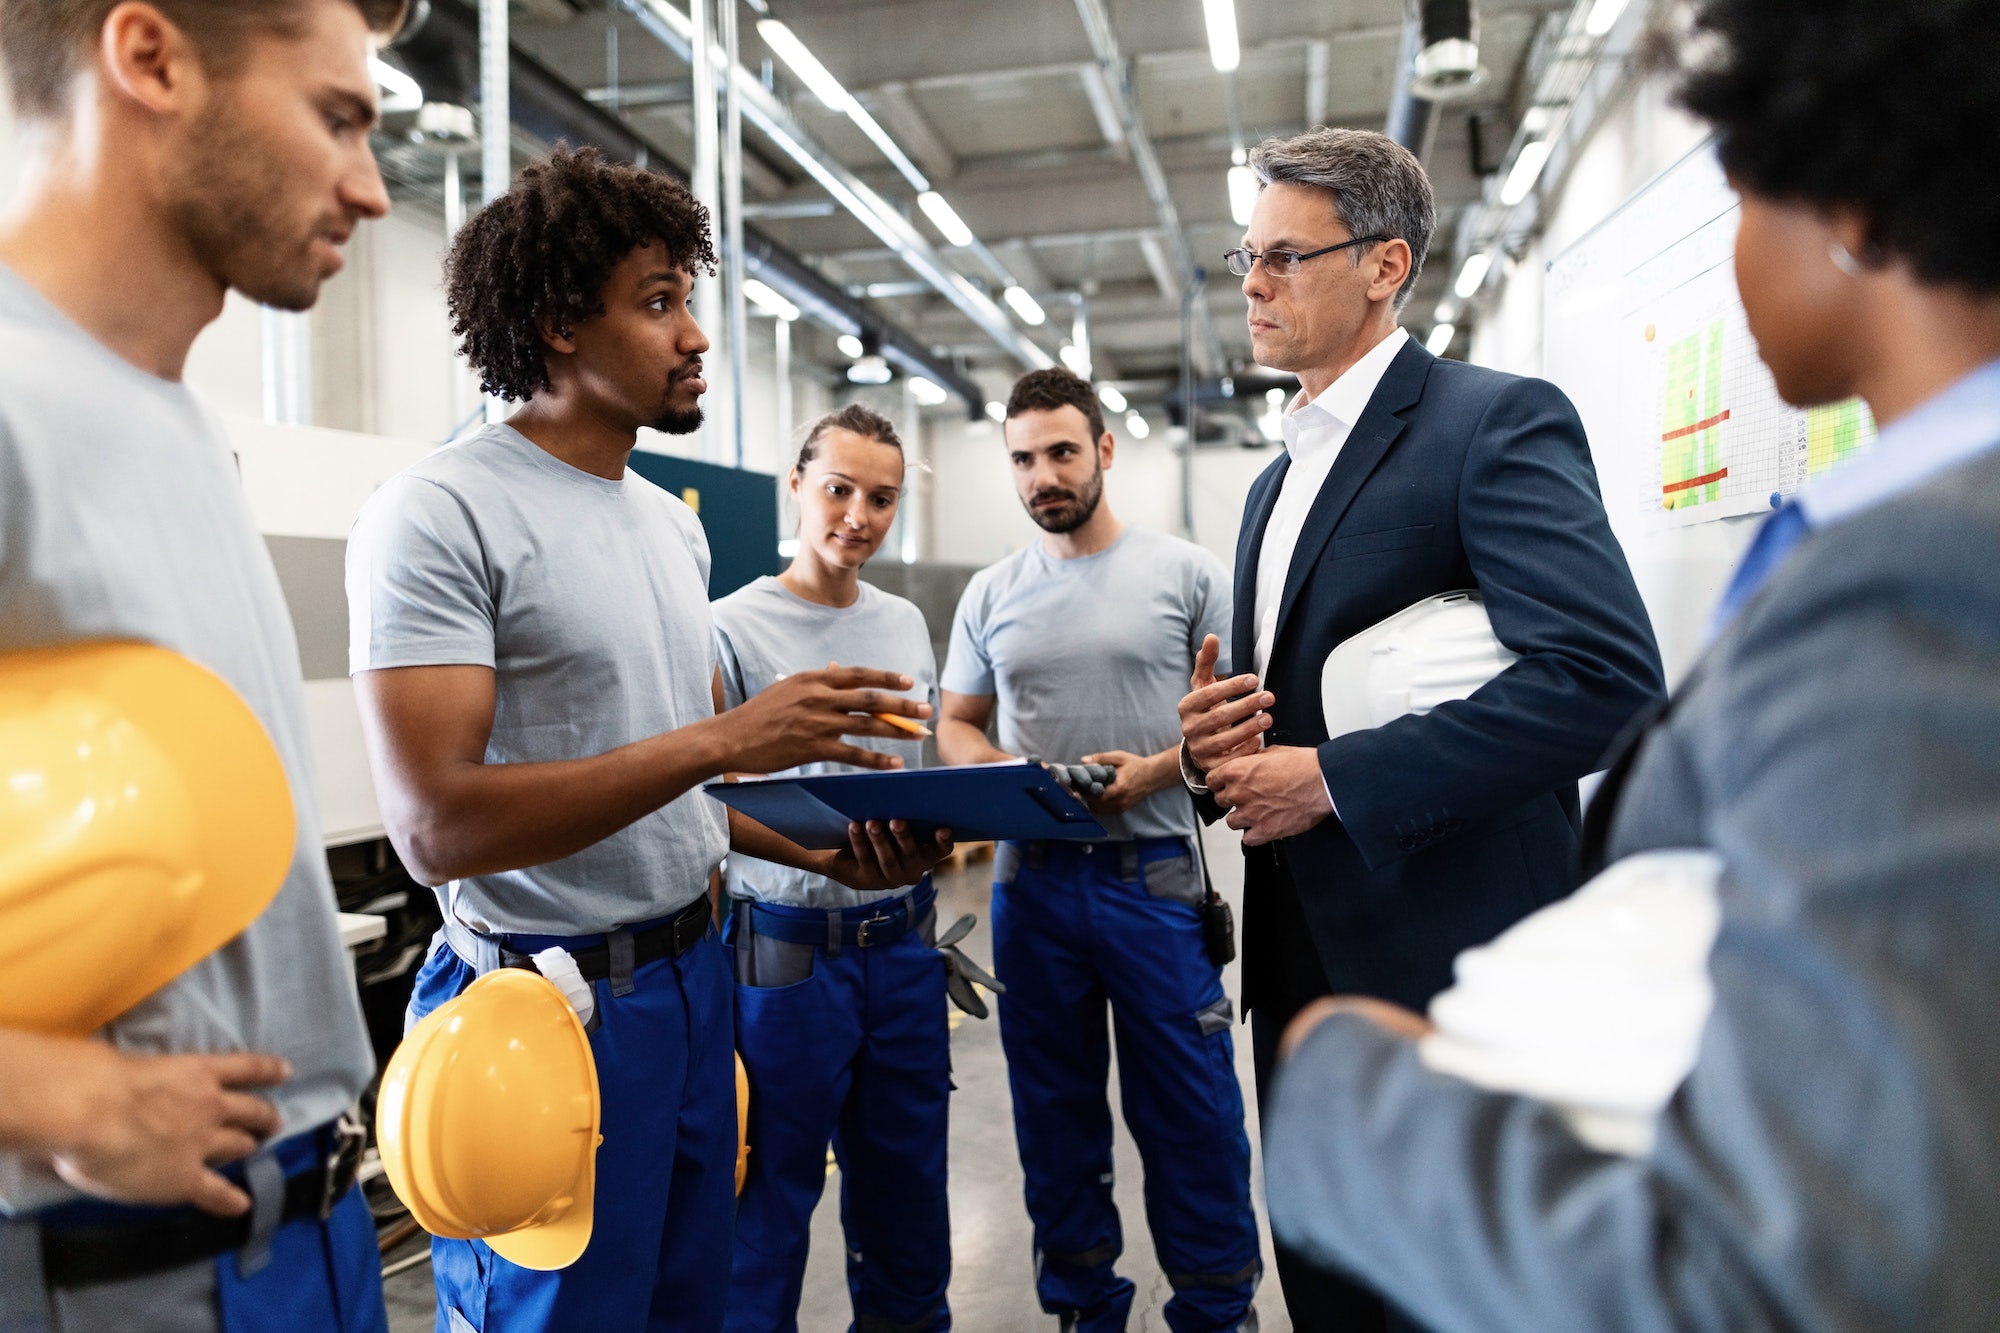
(804, 718)
(1222, 719)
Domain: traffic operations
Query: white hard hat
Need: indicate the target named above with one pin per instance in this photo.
(1442, 648)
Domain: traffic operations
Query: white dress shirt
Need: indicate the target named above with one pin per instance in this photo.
(1314, 434)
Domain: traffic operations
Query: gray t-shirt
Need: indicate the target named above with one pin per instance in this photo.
(121, 517)
(764, 631)
(1093, 654)
(589, 599)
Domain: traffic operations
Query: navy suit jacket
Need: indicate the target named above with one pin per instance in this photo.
(1453, 825)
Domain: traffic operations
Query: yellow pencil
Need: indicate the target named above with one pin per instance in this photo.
(909, 724)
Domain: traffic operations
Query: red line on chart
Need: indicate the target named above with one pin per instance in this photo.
(1715, 420)
(1693, 482)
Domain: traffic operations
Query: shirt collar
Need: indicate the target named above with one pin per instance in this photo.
(1949, 429)
(1346, 398)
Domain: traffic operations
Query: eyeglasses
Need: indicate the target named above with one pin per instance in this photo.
(1283, 263)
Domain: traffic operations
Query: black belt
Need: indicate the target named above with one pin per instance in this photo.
(886, 923)
(87, 1256)
(687, 929)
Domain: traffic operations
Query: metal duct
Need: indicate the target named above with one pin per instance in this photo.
(443, 55)
(1439, 61)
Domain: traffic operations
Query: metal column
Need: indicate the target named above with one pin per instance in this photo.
(732, 222)
(496, 121)
(496, 140)
(707, 293)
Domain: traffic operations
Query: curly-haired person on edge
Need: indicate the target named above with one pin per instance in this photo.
(533, 654)
(1824, 1151)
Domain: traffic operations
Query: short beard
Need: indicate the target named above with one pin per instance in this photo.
(671, 422)
(1078, 512)
(230, 212)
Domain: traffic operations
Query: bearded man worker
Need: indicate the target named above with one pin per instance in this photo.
(1080, 640)
(176, 151)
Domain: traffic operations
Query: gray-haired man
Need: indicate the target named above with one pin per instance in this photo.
(1375, 857)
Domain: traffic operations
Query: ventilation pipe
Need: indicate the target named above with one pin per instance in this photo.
(1439, 63)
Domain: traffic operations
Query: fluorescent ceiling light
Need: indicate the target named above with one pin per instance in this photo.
(405, 94)
(997, 412)
(849, 345)
(1024, 304)
(815, 76)
(1136, 427)
(870, 370)
(949, 224)
(1242, 194)
(1472, 275)
(769, 301)
(925, 392)
(1445, 313)
(1528, 164)
(1110, 397)
(1441, 336)
(1223, 49)
(1603, 16)
(1075, 358)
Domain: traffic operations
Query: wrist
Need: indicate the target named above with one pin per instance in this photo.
(64, 1091)
(1193, 776)
(709, 747)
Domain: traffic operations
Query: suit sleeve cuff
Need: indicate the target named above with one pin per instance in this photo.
(1191, 777)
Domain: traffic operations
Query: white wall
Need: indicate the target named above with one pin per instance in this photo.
(1680, 572)
(980, 519)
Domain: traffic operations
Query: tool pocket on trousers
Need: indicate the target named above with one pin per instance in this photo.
(1006, 863)
(1176, 880)
(768, 963)
(1217, 1017)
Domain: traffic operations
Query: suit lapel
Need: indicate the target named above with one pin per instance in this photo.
(1380, 425)
(1257, 514)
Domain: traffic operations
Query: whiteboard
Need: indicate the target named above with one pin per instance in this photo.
(1646, 334)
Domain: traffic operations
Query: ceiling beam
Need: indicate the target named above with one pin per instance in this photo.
(891, 104)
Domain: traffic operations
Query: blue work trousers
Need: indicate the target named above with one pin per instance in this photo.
(658, 1259)
(1077, 927)
(852, 1048)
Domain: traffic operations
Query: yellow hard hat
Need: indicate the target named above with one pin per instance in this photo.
(145, 820)
(488, 1120)
(742, 1125)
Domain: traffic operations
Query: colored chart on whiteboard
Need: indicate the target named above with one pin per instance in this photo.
(1644, 311)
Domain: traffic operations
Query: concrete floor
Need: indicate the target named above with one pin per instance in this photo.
(992, 1284)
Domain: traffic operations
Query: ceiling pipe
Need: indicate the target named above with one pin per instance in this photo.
(774, 119)
(1118, 84)
(1412, 120)
(1438, 63)
(442, 54)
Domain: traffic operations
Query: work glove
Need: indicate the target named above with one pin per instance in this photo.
(961, 972)
(1086, 780)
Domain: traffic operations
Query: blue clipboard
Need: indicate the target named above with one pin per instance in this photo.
(979, 803)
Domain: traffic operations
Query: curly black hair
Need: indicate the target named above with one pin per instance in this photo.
(540, 254)
(1884, 107)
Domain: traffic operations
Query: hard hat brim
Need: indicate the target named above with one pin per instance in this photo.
(237, 785)
(412, 1121)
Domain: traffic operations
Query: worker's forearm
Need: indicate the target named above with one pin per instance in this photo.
(481, 819)
(962, 743)
(750, 838)
(44, 1101)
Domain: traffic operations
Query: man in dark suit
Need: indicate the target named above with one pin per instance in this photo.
(1375, 857)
